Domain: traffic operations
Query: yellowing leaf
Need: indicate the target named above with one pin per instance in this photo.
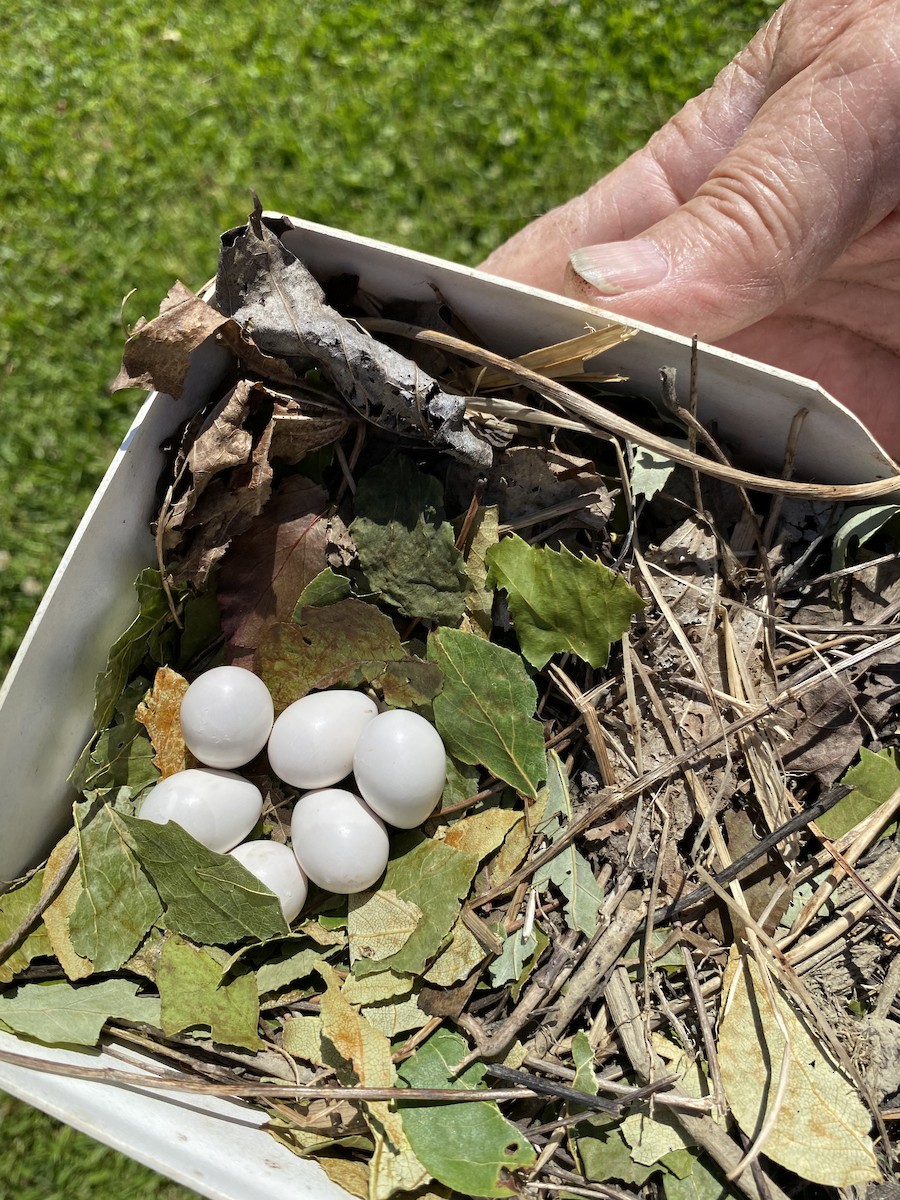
(480, 597)
(192, 993)
(379, 924)
(483, 832)
(14, 908)
(458, 959)
(435, 878)
(58, 911)
(301, 1037)
(821, 1129)
(367, 1050)
(372, 989)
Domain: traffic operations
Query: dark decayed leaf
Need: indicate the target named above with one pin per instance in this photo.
(267, 567)
(406, 548)
(209, 898)
(118, 904)
(560, 602)
(471, 1148)
(485, 710)
(347, 643)
(266, 289)
(159, 352)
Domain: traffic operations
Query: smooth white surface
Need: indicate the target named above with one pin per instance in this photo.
(400, 767)
(751, 405)
(207, 1143)
(46, 699)
(218, 808)
(339, 842)
(313, 740)
(275, 865)
(226, 716)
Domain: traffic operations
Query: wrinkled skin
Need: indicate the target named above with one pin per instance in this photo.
(772, 205)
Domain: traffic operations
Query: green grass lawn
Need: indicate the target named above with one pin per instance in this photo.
(131, 135)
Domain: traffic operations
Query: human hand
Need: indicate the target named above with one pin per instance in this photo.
(765, 216)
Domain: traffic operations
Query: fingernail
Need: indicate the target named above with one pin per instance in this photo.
(618, 267)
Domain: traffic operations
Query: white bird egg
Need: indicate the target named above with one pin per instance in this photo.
(218, 808)
(226, 716)
(400, 767)
(339, 842)
(312, 741)
(275, 865)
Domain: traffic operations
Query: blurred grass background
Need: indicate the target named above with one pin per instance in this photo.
(130, 136)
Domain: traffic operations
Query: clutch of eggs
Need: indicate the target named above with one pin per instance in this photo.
(340, 840)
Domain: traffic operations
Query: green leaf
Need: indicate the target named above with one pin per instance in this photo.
(560, 603)
(859, 524)
(118, 904)
(209, 898)
(874, 780)
(347, 643)
(462, 782)
(650, 471)
(821, 1130)
(485, 710)
(119, 768)
(514, 958)
(606, 1155)
(60, 1013)
(485, 532)
(570, 870)
(192, 992)
(406, 548)
(141, 639)
(326, 588)
(471, 1147)
(434, 878)
(15, 906)
(287, 962)
(697, 1183)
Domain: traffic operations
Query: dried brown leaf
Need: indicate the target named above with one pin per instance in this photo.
(160, 714)
(268, 566)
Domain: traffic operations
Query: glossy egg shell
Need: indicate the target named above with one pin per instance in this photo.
(226, 717)
(218, 808)
(339, 842)
(400, 767)
(312, 741)
(275, 865)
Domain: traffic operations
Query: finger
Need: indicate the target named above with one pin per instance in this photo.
(650, 184)
(815, 169)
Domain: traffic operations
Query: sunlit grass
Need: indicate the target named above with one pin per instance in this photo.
(130, 136)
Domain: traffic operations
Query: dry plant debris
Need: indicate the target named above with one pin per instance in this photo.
(647, 944)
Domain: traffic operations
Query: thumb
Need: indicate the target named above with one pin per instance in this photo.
(805, 180)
